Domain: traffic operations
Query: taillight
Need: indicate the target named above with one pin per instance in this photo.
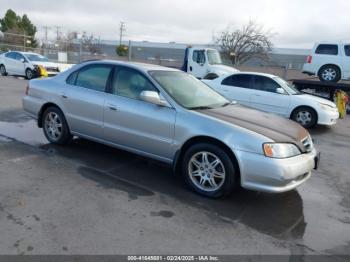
(27, 90)
(309, 59)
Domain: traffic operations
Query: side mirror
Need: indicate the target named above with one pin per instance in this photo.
(153, 97)
(281, 91)
(23, 60)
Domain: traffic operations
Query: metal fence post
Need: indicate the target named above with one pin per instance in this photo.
(80, 49)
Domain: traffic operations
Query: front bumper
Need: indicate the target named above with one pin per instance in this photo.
(261, 173)
(328, 118)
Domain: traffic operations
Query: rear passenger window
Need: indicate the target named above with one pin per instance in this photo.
(94, 77)
(327, 50)
(263, 83)
(71, 79)
(347, 50)
(238, 81)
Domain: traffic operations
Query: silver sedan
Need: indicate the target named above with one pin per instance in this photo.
(165, 114)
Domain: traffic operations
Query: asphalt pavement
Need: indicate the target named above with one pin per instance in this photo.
(87, 198)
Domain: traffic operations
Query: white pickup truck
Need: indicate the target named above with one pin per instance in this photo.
(205, 63)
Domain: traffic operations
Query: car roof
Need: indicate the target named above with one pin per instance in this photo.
(141, 66)
(255, 73)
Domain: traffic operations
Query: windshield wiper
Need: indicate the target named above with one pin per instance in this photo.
(201, 108)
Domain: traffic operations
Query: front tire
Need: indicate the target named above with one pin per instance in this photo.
(209, 171)
(305, 116)
(55, 126)
(29, 74)
(3, 71)
(329, 73)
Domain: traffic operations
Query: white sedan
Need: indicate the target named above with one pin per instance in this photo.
(26, 64)
(271, 93)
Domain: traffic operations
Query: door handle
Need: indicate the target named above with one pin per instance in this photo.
(64, 96)
(112, 107)
(257, 95)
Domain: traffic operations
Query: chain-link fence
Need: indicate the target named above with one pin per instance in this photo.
(75, 51)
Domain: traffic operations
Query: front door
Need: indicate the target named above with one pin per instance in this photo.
(266, 98)
(133, 123)
(196, 63)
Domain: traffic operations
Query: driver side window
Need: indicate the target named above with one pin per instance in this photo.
(130, 83)
(198, 56)
(266, 84)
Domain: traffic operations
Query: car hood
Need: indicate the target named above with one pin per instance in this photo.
(317, 99)
(45, 64)
(278, 129)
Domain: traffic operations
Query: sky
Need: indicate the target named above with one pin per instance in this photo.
(295, 23)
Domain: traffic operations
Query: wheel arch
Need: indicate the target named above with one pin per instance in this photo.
(330, 64)
(204, 139)
(43, 109)
(304, 106)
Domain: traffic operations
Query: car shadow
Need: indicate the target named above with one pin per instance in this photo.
(278, 215)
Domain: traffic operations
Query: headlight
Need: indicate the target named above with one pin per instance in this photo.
(326, 107)
(275, 150)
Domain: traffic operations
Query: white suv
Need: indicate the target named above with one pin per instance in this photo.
(329, 61)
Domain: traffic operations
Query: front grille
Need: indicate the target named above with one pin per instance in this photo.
(308, 144)
(52, 69)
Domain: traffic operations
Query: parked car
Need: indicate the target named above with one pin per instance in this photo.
(26, 64)
(272, 94)
(329, 61)
(171, 116)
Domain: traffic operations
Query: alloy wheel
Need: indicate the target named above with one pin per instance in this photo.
(206, 171)
(53, 126)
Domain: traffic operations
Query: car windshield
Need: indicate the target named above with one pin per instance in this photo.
(214, 57)
(287, 86)
(188, 91)
(36, 58)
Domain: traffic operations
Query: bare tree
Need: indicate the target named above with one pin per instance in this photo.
(251, 41)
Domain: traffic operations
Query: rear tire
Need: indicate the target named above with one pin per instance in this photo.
(209, 171)
(3, 71)
(55, 126)
(329, 73)
(305, 116)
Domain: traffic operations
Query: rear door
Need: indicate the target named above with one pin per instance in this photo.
(346, 61)
(9, 59)
(266, 98)
(19, 64)
(84, 98)
(326, 54)
(136, 124)
(237, 87)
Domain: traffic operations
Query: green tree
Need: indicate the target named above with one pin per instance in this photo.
(14, 24)
(122, 50)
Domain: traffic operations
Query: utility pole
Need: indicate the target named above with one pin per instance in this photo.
(57, 32)
(122, 29)
(46, 28)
